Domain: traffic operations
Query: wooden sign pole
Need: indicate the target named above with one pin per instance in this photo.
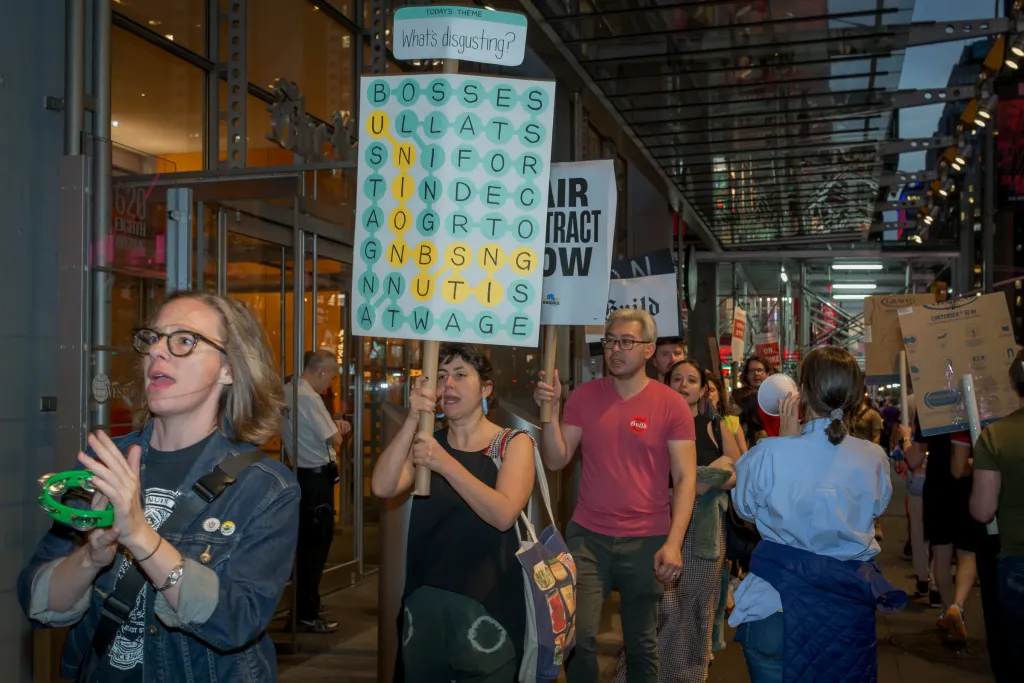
(550, 351)
(904, 402)
(429, 363)
(426, 425)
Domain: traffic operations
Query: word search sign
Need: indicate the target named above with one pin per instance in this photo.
(453, 179)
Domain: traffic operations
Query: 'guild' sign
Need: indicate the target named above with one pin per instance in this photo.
(644, 303)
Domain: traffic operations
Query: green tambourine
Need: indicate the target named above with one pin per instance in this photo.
(53, 489)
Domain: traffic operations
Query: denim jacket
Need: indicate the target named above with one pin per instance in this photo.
(218, 631)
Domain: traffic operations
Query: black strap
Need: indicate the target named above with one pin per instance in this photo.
(716, 431)
(119, 604)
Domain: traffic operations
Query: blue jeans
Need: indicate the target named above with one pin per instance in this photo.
(762, 648)
(1011, 597)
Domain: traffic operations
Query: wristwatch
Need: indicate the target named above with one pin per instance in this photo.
(174, 576)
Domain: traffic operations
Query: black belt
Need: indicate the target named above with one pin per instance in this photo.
(323, 469)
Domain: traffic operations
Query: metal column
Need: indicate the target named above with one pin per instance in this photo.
(988, 216)
(805, 310)
(72, 304)
(100, 280)
(394, 514)
(179, 239)
(74, 75)
(238, 83)
(213, 115)
(314, 341)
(298, 326)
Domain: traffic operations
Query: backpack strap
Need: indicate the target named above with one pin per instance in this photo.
(119, 604)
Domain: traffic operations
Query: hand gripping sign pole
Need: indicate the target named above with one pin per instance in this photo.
(550, 346)
(429, 358)
(974, 419)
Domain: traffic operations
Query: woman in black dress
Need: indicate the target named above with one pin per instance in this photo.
(464, 615)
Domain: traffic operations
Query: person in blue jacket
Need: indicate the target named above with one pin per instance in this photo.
(205, 526)
(805, 612)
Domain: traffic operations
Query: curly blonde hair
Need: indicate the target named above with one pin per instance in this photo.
(251, 405)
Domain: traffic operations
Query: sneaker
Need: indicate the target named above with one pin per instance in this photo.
(318, 626)
(934, 598)
(921, 590)
(954, 616)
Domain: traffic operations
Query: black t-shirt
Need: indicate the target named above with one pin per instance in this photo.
(939, 479)
(162, 475)
(451, 548)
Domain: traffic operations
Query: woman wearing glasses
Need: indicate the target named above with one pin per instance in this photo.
(205, 526)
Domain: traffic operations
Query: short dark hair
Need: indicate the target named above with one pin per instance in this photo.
(475, 358)
(768, 369)
(675, 341)
(1017, 374)
(831, 380)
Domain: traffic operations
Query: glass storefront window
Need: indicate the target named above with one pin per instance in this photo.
(292, 39)
(183, 21)
(157, 103)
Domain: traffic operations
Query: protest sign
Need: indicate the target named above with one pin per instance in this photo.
(882, 339)
(739, 333)
(465, 33)
(945, 341)
(766, 346)
(452, 185)
(580, 234)
(647, 282)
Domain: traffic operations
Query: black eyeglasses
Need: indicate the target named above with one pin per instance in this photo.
(180, 342)
(624, 344)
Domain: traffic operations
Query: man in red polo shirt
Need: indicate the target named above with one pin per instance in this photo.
(637, 435)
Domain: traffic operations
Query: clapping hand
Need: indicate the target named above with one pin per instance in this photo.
(101, 543)
(117, 479)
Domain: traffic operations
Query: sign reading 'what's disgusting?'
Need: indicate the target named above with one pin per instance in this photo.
(578, 248)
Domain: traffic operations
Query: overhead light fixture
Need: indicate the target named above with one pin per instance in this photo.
(915, 239)
(956, 166)
(849, 297)
(783, 275)
(114, 124)
(857, 266)
(169, 36)
(854, 285)
(1018, 45)
(929, 220)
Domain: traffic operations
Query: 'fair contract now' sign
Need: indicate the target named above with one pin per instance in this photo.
(463, 33)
